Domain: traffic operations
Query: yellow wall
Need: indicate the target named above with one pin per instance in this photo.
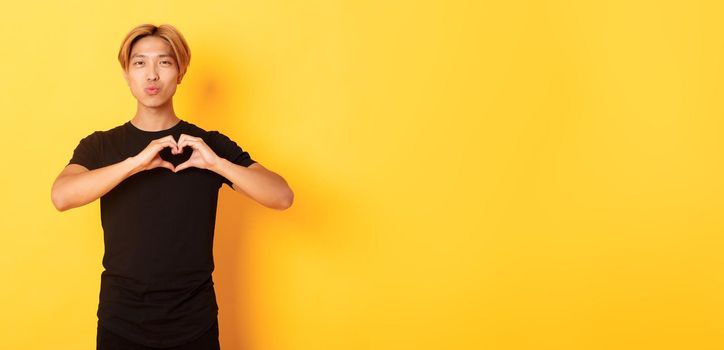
(468, 175)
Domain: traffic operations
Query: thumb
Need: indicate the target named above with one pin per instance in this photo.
(167, 165)
(181, 166)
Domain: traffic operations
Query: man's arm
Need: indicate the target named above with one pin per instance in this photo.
(259, 183)
(256, 181)
(77, 186)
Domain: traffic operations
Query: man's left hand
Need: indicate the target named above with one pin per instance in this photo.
(202, 157)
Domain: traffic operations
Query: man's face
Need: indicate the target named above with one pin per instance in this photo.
(152, 64)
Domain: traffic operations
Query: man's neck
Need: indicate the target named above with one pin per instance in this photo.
(154, 119)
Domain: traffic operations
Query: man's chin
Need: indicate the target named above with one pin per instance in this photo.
(152, 103)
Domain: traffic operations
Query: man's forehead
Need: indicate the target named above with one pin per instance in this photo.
(152, 54)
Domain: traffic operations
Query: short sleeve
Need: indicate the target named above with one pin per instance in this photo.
(88, 151)
(226, 148)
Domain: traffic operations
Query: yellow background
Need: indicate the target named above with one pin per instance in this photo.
(468, 175)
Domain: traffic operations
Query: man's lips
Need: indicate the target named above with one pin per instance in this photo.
(151, 90)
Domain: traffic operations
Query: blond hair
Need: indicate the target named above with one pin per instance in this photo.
(164, 31)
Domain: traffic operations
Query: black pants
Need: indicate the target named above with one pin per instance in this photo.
(106, 340)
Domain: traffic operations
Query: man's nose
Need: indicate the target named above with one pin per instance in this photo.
(152, 74)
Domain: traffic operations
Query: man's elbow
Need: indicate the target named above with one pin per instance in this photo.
(285, 202)
(58, 201)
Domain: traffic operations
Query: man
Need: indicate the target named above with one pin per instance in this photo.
(158, 178)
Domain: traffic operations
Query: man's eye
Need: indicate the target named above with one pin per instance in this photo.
(141, 62)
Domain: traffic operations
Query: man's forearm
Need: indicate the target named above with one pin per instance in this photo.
(75, 190)
(262, 185)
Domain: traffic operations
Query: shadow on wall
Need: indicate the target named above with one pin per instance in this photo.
(243, 285)
(210, 105)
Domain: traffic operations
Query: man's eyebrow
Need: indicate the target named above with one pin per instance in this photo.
(160, 55)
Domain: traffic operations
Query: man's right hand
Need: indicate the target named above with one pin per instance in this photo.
(76, 185)
(150, 157)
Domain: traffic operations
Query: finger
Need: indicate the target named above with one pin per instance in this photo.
(157, 150)
(190, 142)
(189, 137)
(167, 138)
(173, 142)
(164, 142)
(185, 137)
(157, 147)
(175, 145)
(179, 148)
(181, 139)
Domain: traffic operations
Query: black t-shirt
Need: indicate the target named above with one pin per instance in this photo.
(157, 288)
